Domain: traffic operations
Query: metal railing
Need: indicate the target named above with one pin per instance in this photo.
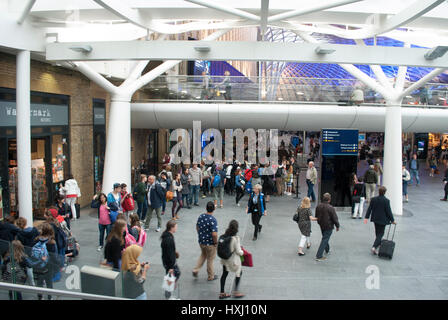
(213, 89)
(55, 292)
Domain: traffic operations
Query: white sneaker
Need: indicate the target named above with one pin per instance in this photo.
(158, 230)
(99, 248)
(238, 204)
(173, 298)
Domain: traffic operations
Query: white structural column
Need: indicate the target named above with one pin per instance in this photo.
(24, 136)
(392, 172)
(117, 162)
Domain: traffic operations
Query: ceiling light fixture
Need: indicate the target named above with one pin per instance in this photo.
(202, 49)
(436, 52)
(82, 49)
(324, 50)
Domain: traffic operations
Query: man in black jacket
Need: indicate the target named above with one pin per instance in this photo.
(169, 253)
(327, 219)
(381, 213)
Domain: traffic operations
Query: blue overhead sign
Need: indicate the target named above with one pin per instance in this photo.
(339, 142)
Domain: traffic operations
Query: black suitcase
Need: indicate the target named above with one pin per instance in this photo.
(387, 246)
(78, 210)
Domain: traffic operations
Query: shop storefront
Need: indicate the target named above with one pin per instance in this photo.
(99, 142)
(49, 148)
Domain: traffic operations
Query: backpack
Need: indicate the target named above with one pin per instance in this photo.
(279, 173)
(216, 180)
(248, 186)
(20, 275)
(39, 251)
(129, 204)
(248, 175)
(224, 251)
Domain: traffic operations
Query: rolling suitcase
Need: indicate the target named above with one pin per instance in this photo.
(387, 246)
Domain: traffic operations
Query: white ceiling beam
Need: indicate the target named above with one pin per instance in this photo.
(135, 17)
(353, 70)
(434, 73)
(20, 36)
(377, 70)
(416, 10)
(165, 66)
(26, 11)
(243, 51)
(401, 75)
(124, 12)
(264, 12)
(220, 7)
(304, 11)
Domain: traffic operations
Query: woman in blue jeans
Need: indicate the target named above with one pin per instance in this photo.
(104, 222)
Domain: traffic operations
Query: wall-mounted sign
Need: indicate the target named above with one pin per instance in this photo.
(99, 116)
(40, 114)
(339, 142)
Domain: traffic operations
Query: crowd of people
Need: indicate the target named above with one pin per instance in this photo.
(42, 251)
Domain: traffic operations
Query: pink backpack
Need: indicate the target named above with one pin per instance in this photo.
(130, 240)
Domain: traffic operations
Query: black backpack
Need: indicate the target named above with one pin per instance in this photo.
(279, 173)
(224, 251)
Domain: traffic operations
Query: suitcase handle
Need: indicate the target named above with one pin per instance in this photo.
(393, 234)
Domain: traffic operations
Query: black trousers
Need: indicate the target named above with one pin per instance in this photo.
(239, 194)
(446, 192)
(41, 278)
(256, 217)
(224, 277)
(379, 233)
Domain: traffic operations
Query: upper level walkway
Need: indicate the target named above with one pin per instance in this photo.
(306, 104)
(328, 91)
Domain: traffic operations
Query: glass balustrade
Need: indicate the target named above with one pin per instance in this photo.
(60, 270)
(219, 89)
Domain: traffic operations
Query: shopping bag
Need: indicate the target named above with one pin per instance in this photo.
(169, 282)
(247, 256)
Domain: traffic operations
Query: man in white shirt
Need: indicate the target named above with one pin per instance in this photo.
(311, 179)
(357, 96)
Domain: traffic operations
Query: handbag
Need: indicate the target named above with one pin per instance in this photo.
(247, 258)
(296, 217)
(169, 195)
(169, 282)
(113, 216)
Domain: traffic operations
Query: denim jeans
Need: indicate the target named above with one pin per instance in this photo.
(310, 190)
(414, 174)
(405, 188)
(185, 200)
(324, 244)
(142, 209)
(195, 193)
(103, 228)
